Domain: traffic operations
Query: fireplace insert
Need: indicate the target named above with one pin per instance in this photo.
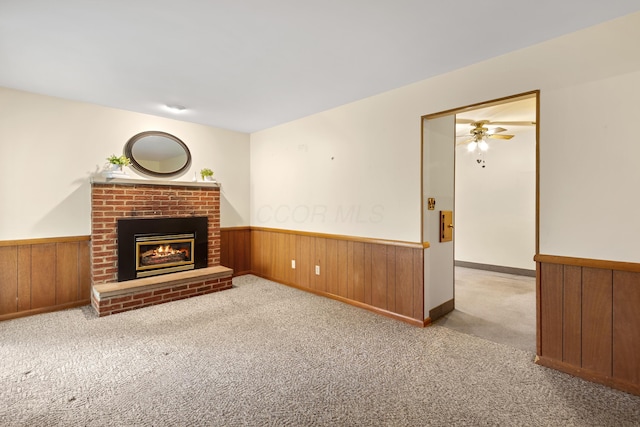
(153, 246)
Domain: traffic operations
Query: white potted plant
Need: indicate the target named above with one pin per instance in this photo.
(115, 165)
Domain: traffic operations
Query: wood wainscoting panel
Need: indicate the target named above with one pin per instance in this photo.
(319, 282)
(256, 252)
(391, 279)
(626, 326)
(235, 249)
(597, 320)
(355, 279)
(404, 281)
(331, 266)
(379, 285)
(304, 261)
(343, 268)
(84, 271)
(41, 275)
(572, 314)
(384, 277)
(418, 286)
(24, 276)
(368, 279)
(280, 250)
(8, 279)
(550, 328)
(67, 268)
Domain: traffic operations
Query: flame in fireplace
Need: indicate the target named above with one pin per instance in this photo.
(162, 254)
(168, 250)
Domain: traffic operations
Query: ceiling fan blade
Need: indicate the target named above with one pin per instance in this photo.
(466, 141)
(500, 136)
(462, 121)
(521, 123)
(496, 130)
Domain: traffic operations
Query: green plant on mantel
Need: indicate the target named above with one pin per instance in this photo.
(204, 173)
(120, 161)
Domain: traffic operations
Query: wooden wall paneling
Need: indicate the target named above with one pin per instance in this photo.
(8, 279)
(265, 252)
(367, 273)
(256, 251)
(66, 279)
(43, 275)
(404, 281)
(331, 266)
(391, 278)
(551, 315)
(84, 271)
(597, 320)
(280, 255)
(343, 268)
(355, 273)
(418, 284)
(291, 254)
(626, 326)
(320, 259)
(242, 251)
(572, 315)
(269, 247)
(304, 260)
(379, 285)
(227, 248)
(24, 276)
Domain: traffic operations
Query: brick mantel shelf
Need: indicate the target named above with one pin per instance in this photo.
(116, 198)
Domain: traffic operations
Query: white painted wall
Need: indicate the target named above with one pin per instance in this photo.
(49, 147)
(495, 205)
(329, 173)
(589, 148)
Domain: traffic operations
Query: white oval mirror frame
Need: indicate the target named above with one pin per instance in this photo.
(158, 154)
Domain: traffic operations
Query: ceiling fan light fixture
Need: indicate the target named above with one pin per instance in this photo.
(175, 108)
(472, 146)
(483, 145)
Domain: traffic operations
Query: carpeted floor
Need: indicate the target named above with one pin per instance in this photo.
(263, 354)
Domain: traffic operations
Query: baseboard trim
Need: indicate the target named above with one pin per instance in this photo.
(588, 375)
(386, 313)
(42, 310)
(496, 268)
(242, 273)
(441, 310)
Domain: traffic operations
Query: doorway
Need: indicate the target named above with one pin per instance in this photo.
(492, 170)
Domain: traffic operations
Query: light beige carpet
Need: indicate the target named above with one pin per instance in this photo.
(263, 354)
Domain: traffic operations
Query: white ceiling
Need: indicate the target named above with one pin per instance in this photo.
(248, 65)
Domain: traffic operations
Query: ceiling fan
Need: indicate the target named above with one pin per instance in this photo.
(479, 132)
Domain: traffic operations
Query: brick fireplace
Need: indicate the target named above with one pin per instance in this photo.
(117, 199)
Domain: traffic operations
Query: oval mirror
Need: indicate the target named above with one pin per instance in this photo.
(158, 154)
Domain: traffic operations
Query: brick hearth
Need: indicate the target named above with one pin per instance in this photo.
(112, 199)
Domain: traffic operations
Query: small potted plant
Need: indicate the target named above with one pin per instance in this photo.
(117, 163)
(206, 174)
